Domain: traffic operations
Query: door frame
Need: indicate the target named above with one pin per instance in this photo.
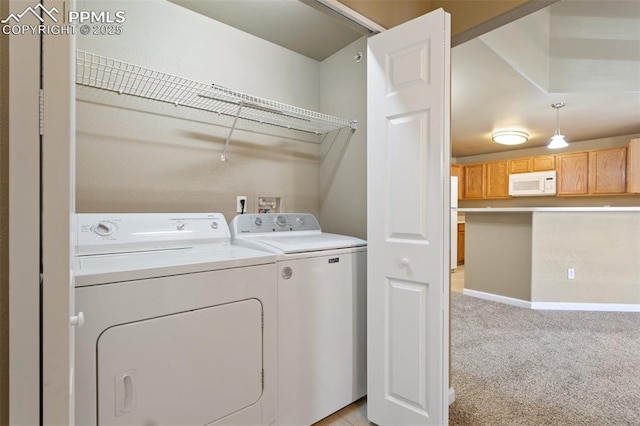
(41, 203)
(24, 226)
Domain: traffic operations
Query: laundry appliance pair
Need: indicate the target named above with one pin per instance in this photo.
(182, 326)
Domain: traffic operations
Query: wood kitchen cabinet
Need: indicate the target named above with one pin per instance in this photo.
(633, 166)
(539, 163)
(543, 163)
(608, 171)
(573, 173)
(598, 172)
(486, 180)
(460, 243)
(520, 165)
(474, 181)
(497, 180)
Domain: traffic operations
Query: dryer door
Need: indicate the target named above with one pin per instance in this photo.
(188, 368)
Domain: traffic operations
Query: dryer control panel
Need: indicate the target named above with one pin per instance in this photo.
(274, 222)
(108, 233)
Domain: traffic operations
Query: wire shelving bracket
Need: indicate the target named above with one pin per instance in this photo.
(246, 110)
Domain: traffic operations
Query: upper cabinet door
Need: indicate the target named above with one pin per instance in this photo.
(474, 180)
(497, 185)
(573, 172)
(408, 222)
(607, 171)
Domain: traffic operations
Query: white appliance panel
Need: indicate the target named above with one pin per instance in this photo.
(179, 325)
(322, 290)
(110, 268)
(189, 368)
(454, 222)
(112, 305)
(321, 354)
(127, 232)
(307, 243)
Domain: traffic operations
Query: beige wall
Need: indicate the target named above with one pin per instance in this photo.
(498, 254)
(4, 223)
(140, 156)
(604, 249)
(615, 141)
(343, 169)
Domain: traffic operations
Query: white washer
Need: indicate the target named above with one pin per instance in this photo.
(179, 325)
(321, 312)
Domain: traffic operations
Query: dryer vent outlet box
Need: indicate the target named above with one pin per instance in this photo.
(269, 204)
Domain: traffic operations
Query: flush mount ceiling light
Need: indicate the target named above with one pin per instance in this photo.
(557, 140)
(510, 137)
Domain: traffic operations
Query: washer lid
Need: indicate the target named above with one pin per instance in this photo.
(287, 243)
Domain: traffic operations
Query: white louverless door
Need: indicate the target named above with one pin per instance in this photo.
(409, 222)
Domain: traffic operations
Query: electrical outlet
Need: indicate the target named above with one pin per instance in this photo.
(241, 200)
(571, 274)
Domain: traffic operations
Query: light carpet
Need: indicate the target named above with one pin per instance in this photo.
(516, 366)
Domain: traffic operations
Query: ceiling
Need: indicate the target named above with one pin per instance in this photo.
(585, 53)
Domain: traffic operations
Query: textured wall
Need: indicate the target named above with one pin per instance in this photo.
(140, 156)
(604, 249)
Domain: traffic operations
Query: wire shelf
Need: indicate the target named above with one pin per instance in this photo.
(116, 76)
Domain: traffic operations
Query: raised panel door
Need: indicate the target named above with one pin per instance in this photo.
(408, 226)
(633, 166)
(520, 165)
(497, 185)
(573, 172)
(543, 162)
(474, 181)
(607, 171)
(460, 243)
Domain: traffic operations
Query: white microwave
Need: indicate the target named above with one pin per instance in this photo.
(532, 184)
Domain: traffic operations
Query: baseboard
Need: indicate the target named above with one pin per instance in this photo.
(554, 306)
(497, 298)
(601, 307)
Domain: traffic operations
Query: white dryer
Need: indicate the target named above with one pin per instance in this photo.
(179, 325)
(321, 312)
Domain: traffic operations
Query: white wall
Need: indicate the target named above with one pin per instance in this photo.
(343, 169)
(134, 155)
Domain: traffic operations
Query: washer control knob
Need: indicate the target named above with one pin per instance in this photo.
(180, 226)
(281, 221)
(257, 221)
(300, 220)
(214, 225)
(104, 228)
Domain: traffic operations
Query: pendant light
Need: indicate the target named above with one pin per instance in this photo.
(557, 140)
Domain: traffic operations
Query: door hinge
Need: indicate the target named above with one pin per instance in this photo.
(41, 112)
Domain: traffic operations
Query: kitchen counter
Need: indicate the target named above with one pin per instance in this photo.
(523, 256)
